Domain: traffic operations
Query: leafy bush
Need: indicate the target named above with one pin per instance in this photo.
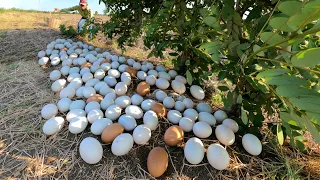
(68, 31)
(267, 50)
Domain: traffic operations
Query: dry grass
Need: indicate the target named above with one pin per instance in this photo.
(25, 153)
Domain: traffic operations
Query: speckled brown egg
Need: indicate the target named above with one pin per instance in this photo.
(173, 135)
(111, 132)
(157, 161)
(105, 61)
(88, 65)
(159, 109)
(143, 88)
(131, 71)
(96, 97)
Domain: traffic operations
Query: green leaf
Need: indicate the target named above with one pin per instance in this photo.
(289, 7)
(228, 100)
(286, 80)
(300, 146)
(311, 7)
(271, 73)
(270, 38)
(210, 21)
(210, 45)
(239, 99)
(280, 134)
(280, 23)
(295, 91)
(307, 58)
(237, 19)
(223, 88)
(189, 77)
(314, 117)
(297, 20)
(173, 54)
(244, 116)
(256, 48)
(311, 104)
(222, 75)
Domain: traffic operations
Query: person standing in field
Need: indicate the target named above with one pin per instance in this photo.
(84, 11)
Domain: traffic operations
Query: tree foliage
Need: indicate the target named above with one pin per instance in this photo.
(267, 49)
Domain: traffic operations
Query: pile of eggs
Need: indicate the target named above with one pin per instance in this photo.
(93, 86)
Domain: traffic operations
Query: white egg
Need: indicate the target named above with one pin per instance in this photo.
(162, 83)
(164, 75)
(88, 91)
(114, 73)
(75, 113)
(207, 118)
(128, 122)
(99, 125)
(121, 88)
(188, 103)
(41, 54)
(49, 111)
(220, 115)
(74, 70)
(197, 92)
(181, 78)
(43, 61)
(99, 74)
(150, 66)
(113, 112)
(111, 81)
(122, 144)
(225, 135)
(122, 59)
(77, 104)
(202, 129)
(90, 150)
(105, 90)
(204, 107)
(136, 66)
(161, 68)
(82, 61)
(106, 102)
(58, 85)
(94, 115)
(174, 116)
(251, 144)
(79, 92)
(115, 65)
(172, 73)
(73, 76)
(134, 111)
(63, 104)
(141, 134)
(136, 99)
(169, 102)
(122, 68)
(53, 125)
(178, 86)
(147, 104)
(194, 150)
(75, 83)
(92, 105)
(150, 119)
(87, 76)
(179, 106)
(99, 85)
(94, 68)
(141, 75)
(111, 95)
(232, 124)
(144, 68)
(161, 95)
(55, 61)
(84, 70)
(218, 157)
(186, 124)
(78, 124)
(191, 114)
(123, 101)
(126, 78)
(55, 75)
(130, 62)
(115, 58)
(151, 80)
(181, 98)
(105, 66)
(153, 72)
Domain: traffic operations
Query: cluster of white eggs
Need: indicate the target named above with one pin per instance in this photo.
(93, 86)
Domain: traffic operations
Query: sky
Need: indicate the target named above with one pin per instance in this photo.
(49, 5)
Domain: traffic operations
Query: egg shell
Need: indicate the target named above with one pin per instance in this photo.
(94, 115)
(151, 80)
(159, 109)
(58, 85)
(55, 75)
(194, 150)
(252, 144)
(122, 59)
(232, 124)
(126, 78)
(79, 92)
(204, 107)
(150, 119)
(164, 75)
(174, 116)
(63, 104)
(78, 124)
(92, 105)
(218, 157)
(174, 135)
(87, 76)
(65, 70)
(179, 106)
(74, 70)
(178, 86)
(134, 111)
(144, 68)
(181, 79)
(106, 102)
(130, 61)
(202, 129)
(111, 81)
(43, 61)
(157, 161)
(161, 95)
(122, 144)
(99, 125)
(90, 150)
(136, 66)
(41, 54)
(162, 83)
(114, 73)
(141, 134)
(161, 68)
(115, 65)
(186, 124)
(105, 90)
(123, 101)
(96, 97)
(146, 105)
(197, 92)
(86, 65)
(188, 103)
(127, 122)
(99, 85)
(136, 99)
(150, 66)
(191, 114)
(111, 132)
(141, 75)
(225, 135)
(75, 83)
(207, 118)
(49, 111)
(88, 91)
(153, 72)
(99, 74)
(143, 88)
(75, 113)
(115, 58)
(168, 102)
(53, 125)
(122, 68)
(78, 104)
(67, 92)
(121, 88)
(220, 115)
(113, 112)
(84, 70)
(131, 71)
(105, 66)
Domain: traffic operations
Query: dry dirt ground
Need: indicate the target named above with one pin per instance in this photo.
(25, 153)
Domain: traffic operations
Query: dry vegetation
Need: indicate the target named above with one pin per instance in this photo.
(25, 153)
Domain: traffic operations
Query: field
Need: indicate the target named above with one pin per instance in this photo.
(25, 153)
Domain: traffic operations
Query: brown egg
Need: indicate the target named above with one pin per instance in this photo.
(143, 88)
(173, 135)
(96, 97)
(131, 71)
(157, 161)
(64, 49)
(159, 109)
(88, 65)
(105, 61)
(111, 132)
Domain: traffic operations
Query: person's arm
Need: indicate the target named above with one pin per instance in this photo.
(70, 9)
